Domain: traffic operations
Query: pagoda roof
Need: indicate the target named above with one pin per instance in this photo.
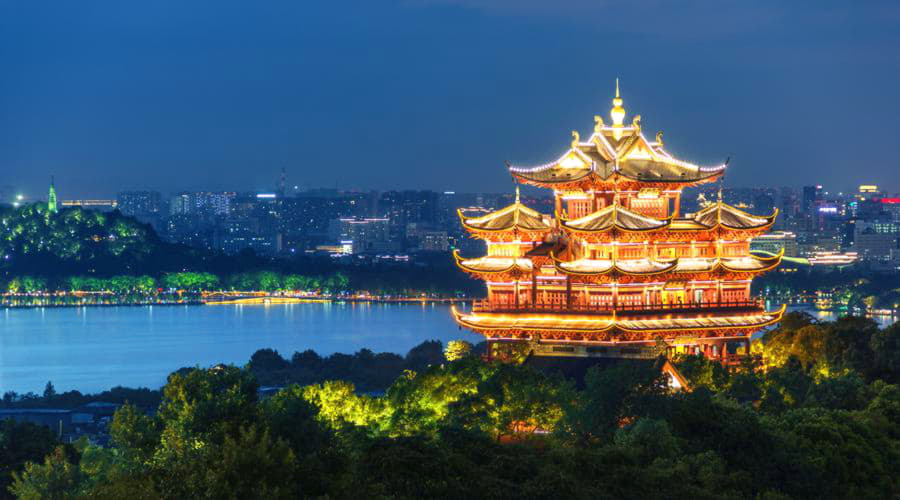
(515, 216)
(614, 216)
(625, 266)
(681, 265)
(493, 264)
(603, 158)
(588, 323)
(616, 151)
(722, 214)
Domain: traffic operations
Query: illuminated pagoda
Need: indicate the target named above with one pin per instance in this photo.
(618, 271)
(51, 198)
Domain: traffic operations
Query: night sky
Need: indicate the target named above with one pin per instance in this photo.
(220, 94)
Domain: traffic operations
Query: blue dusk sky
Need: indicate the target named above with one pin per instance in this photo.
(109, 95)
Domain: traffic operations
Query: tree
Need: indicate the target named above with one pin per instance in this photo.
(21, 442)
(267, 360)
(511, 399)
(339, 406)
(457, 349)
(56, 478)
(268, 281)
(49, 391)
(207, 405)
(885, 347)
(425, 354)
(614, 396)
(134, 434)
(250, 464)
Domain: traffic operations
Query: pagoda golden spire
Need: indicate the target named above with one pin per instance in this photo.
(617, 113)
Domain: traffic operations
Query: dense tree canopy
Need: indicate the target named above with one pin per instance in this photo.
(826, 425)
(84, 250)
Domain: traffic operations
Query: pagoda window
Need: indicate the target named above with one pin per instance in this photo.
(651, 207)
(578, 208)
(733, 295)
(666, 253)
(734, 250)
(705, 251)
(630, 298)
(631, 252)
(504, 250)
(601, 253)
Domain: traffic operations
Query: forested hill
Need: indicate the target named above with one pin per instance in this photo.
(74, 245)
(35, 240)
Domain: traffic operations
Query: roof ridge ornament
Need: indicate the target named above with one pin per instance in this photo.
(576, 138)
(617, 113)
(659, 140)
(636, 123)
(598, 124)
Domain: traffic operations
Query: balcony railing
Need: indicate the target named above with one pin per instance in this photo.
(486, 306)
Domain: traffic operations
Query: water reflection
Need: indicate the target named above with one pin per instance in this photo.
(139, 346)
(92, 349)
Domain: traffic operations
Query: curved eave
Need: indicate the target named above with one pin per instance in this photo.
(766, 319)
(558, 265)
(459, 318)
(524, 177)
(512, 227)
(770, 263)
(617, 227)
(769, 221)
(564, 223)
(614, 268)
(774, 317)
(672, 265)
(709, 176)
(474, 270)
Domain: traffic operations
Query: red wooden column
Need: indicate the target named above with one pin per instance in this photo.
(516, 291)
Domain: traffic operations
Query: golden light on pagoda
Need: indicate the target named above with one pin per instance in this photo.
(617, 113)
(618, 265)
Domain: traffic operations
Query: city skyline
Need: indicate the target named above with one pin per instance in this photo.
(428, 94)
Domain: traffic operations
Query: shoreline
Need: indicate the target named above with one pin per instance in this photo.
(251, 300)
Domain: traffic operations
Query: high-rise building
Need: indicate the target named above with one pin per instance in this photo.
(776, 242)
(891, 206)
(618, 270)
(363, 235)
(877, 239)
(409, 207)
(139, 204)
(811, 194)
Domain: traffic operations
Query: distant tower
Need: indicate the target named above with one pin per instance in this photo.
(281, 183)
(51, 198)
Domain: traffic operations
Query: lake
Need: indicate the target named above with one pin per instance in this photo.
(94, 348)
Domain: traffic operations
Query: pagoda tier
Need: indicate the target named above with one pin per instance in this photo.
(719, 218)
(618, 264)
(615, 327)
(515, 221)
(695, 269)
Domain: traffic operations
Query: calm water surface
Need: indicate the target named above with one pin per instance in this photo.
(93, 349)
